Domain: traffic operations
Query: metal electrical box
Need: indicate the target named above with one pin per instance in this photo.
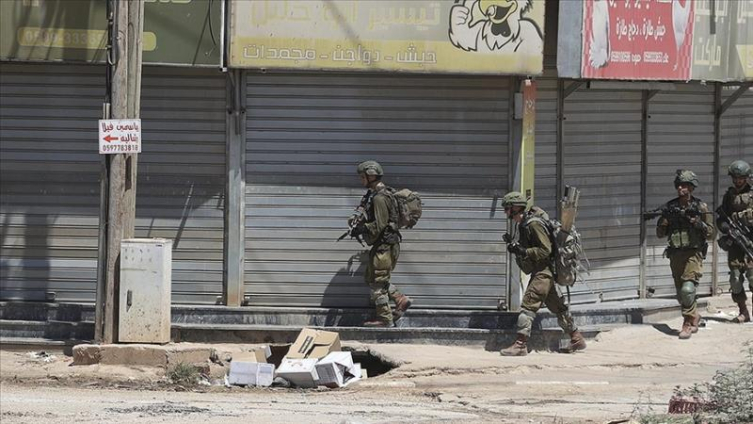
(145, 284)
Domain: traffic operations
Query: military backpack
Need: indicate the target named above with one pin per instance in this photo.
(569, 261)
(409, 207)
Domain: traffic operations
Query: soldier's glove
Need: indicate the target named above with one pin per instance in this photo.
(725, 242)
(698, 224)
(724, 227)
(507, 238)
(516, 249)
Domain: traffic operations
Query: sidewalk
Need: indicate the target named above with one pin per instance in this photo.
(629, 367)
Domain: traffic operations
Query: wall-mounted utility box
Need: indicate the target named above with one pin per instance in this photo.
(145, 284)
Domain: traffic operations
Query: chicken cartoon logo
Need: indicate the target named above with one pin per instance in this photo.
(494, 26)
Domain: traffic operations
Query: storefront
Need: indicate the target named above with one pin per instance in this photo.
(436, 125)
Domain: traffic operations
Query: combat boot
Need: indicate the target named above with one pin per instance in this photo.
(577, 342)
(383, 316)
(402, 304)
(378, 323)
(695, 322)
(519, 348)
(687, 329)
(744, 315)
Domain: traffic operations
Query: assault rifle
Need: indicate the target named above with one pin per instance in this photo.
(357, 218)
(738, 233)
(672, 213)
(354, 221)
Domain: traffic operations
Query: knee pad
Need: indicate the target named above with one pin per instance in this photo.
(379, 297)
(735, 281)
(687, 294)
(525, 322)
(382, 276)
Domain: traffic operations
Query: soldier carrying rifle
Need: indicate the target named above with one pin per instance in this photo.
(735, 222)
(376, 222)
(688, 225)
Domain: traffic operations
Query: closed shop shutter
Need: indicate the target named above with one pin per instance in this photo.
(545, 191)
(182, 175)
(737, 130)
(445, 137)
(50, 171)
(602, 157)
(680, 136)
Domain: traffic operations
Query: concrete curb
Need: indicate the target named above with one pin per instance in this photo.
(140, 354)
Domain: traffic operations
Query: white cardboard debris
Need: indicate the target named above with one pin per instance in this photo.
(245, 373)
(336, 370)
(301, 372)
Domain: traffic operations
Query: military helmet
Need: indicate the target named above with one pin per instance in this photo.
(686, 176)
(370, 167)
(514, 198)
(739, 168)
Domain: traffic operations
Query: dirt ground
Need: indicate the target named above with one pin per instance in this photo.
(624, 373)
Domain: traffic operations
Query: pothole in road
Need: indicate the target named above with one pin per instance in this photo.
(373, 362)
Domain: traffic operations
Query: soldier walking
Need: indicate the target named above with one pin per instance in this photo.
(379, 230)
(737, 204)
(534, 255)
(687, 225)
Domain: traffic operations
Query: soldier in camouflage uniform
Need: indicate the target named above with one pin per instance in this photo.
(380, 231)
(534, 255)
(738, 204)
(688, 226)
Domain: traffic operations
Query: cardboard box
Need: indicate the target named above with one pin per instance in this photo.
(251, 373)
(259, 354)
(314, 344)
(300, 372)
(337, 370)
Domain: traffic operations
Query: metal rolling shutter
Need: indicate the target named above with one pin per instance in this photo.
(182, 175)
(445, 137)
(49, 173)
(737, 130)
(680, 136)
(602, 157)
(545, 188)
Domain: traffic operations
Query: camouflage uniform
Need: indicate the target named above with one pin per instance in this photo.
(534, 255)
(688, 229)
(384, 238)
(687, 248)
(738, 204)
(537, 262)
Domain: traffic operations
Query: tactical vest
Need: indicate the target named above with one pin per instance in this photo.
(680, 233)
(528, 240)
(391, 235)
(735, 201)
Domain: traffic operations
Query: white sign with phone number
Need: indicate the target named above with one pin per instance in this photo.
(119, 136)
